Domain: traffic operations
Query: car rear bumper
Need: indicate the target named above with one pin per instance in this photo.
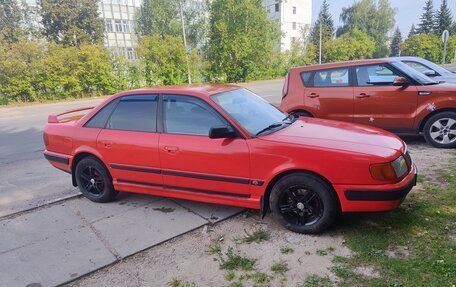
(374, 198)
(60, 161)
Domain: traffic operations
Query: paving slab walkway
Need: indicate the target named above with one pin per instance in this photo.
(63, 241)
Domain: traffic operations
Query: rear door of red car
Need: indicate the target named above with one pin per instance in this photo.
(129, 141)
(379, 103)
(193, 162)
(329, 94)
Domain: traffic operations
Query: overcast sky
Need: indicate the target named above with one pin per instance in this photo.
(408, 12)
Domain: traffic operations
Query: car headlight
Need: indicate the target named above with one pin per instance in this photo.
(391, 170)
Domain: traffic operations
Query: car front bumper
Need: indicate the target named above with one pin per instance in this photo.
(375, 198)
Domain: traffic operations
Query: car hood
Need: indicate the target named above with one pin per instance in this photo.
(337, 135)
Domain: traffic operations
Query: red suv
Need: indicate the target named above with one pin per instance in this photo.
(384, 93)
(225, 145)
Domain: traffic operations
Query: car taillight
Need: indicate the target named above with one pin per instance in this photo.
(45, 139)
(285, 86)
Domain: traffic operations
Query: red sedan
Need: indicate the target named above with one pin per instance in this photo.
(223, 144)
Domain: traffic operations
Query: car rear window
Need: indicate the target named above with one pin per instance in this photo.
(305, 76)
(100, 118)
(331, 78)
(135, 113)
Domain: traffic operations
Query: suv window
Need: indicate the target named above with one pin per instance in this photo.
(189, 115)
(100, 118)
(419, 67)
(135, 113)
(331, 78)
(375, 75)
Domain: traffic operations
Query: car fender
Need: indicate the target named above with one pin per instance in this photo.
(432, 106)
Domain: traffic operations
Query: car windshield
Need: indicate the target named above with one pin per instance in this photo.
(417, 76)
(253, 113)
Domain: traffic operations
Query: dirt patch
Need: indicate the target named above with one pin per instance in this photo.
(398, 252)
(188, 257)
(367, 271)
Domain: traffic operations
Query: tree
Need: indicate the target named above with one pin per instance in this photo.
(396, 43)
(162, 18)
(327, 24)
(10, 21)
(444, 19)
(242, 40)
(70, 22)
(412, 31)
(353, 45)
(375, 19)
(427, 24)
(164, 60)
(428, 46)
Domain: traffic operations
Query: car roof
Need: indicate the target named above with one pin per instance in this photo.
(191, 90)
(345, 64)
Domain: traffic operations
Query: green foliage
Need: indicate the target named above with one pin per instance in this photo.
(286, 250)
(374, 19)
(10, 21)
(444, 19)
(316, 281)
(349, 46)
(164, 60)
(327, 26)
(428, 46)
(175, 282)
(412, 31)
(233, 261)
(396, 43)
(427, 20)
(258, 235)
(71, 23)
(279, 267)
(37, 71)
(214, 249)
(241, 40)
(229, 275)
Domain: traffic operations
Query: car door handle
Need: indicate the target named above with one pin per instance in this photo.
(363, 96)
(171, 149)
(107, 144)
(313, 96)
(423, 93)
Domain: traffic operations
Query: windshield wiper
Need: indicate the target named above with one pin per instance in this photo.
(270, 127)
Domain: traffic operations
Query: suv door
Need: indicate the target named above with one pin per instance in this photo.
(193, 162)
(129, 141)
(379, 103)
(329, 94)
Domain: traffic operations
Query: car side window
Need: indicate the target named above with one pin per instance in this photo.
(331, 78)
(100, 118)
(418, 66)
(375, 75)
(189, 115)
(135, 113)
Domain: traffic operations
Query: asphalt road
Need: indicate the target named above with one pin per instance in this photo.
(27, 180)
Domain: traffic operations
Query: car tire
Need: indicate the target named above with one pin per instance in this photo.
(94, 180)
(440, 130)
(304, 203)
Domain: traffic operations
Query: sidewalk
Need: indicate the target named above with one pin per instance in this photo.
(58, 243)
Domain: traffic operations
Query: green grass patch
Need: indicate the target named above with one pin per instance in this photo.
(286, 250)
(279, 267)
(259, 279)
(258, 235)
(316, 281)
(229, 275)
(214, 249)
(423, 226)
(232, 261)
(175, 282)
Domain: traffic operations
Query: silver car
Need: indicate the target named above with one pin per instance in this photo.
(430, 69)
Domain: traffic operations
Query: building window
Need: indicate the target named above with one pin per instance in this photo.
(131, 54)
(118, 25)
(125, 26)
(277, 7)
(294, 25)
(108, 25)
(294, 10)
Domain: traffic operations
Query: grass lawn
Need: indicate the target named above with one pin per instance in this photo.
(414, 245)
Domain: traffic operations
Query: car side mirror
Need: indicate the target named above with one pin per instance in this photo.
(222, 132)
(430, 73)
(401, 81)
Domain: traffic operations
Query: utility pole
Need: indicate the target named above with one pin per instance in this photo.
(185, 41)
(319, 54)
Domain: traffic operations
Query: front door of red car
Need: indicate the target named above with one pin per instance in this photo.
(191, 161)
(379, 103)
(330, 95)
(129, 142)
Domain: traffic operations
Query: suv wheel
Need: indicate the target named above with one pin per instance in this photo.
(303, 203)
(94, 180)
(440, 130)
